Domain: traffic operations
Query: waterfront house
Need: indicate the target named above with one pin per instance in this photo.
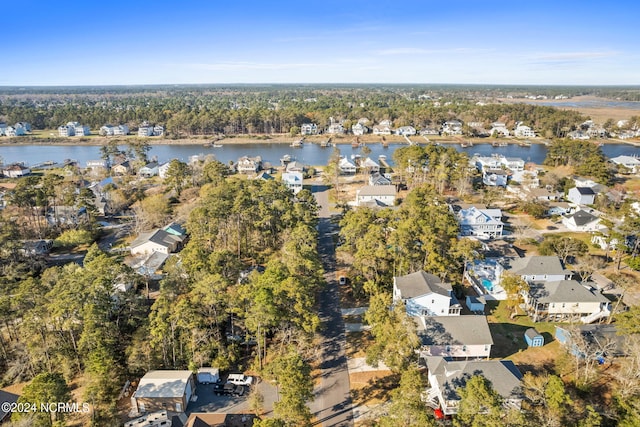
(346, 167)
(582, 221)
(249, 165)
(145, 130)
(111, 130)
(480, 222)
(377, 178)
(381, 129)
(293, 181)
(425, 294)
(15, 171)
(159, 390)
(630, 163)
(24, 125)
(376, 195)
(335, 128)
(499, 129)
(369, 165)
(359, 129)
(406, 131)
(149, 170)
(98, 164)
(429, 131)
(157, 240)
(163, 169)
(295, 166)
(581, 195)
(452, 127)
(121, 168)
(12, 131)
(158, 130)
(495, 177)
(66, 130)
(447, 377)
(454, 337)
(565, 300)
(524, 132)
(578, 134)
(308, 129)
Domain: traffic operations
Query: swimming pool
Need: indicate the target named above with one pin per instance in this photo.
(487, 284)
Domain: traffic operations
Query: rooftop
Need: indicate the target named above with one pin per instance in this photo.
(377, 190)
(536, 265)
(561, 291)
(421, 283)
(163, 384)
(453, 330)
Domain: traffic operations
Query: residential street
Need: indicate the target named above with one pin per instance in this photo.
(332, 405)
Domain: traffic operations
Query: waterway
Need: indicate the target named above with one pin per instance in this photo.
(311, 154)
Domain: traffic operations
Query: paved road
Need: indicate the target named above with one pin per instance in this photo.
(332, 405)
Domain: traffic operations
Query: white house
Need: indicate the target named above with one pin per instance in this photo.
(631, 163)
(537, 268)
(335, 128)
(447, 377)
(376, 178)
(15, 171)
(425, 295)
(406, 131)
(149, 170)
(370, 165)
(145, 130)
(524, 132)
(111, 130)
(24, 125)
(499, 128)
(581, 195)
(80, 130)
(157, 240)
(98, 164)
(452, 127)
(293, 181)
(308, 129)
(566, 300)
(162, 169)
(359, 129)
(455, 337)
(249, 165)
(66, 130)
(582, 221)
(376, 195)
(14, 131)
(346, 167)
(381, 129)
(495, 177)
(480, 222)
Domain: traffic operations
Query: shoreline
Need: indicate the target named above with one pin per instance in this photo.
(283, 139)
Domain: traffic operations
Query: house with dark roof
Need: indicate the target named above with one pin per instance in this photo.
(581, 195)
(446, 378)
(582, 221)
(209, 419)
(6, 397)
(377, 178)
(149, 170)
(537, 268)
(480, 222)
(454, 337)
(425, 294)
(157, 241)
(566, 300)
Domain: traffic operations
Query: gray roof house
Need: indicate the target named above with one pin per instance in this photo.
(158, 390)
(425, 294)
(581, 195)
(538, 268)
(378, 195)
(566, 300)
(6, 397)
(157, 241)
(446, 378)
(454, 337)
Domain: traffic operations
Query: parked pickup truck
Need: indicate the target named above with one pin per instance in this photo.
(240, 379)
(229, 389)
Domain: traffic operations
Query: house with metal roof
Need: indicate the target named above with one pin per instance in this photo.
(566, 300)
(293, 181)
(158, 390)
(425, 294)
(446, 378)
(630, 163)
(454, 337)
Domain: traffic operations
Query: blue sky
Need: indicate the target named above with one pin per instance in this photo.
(48, 42)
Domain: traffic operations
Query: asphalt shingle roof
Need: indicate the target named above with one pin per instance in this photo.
(421, 283)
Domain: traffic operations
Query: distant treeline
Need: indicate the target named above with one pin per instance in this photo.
(265, 109)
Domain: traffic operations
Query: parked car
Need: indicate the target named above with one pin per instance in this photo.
(240, 379)
(229, 389)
